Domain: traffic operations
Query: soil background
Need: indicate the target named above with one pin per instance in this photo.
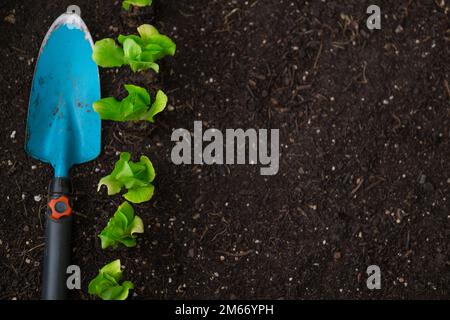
(364, 174)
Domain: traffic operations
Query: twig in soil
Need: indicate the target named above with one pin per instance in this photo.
(364, 78)
(117, 138)
(229, 15)
(399, 122)
(237, 254)
(20, 50)
(81, 215)
(11, 267)
(319, 53)
(359, 183)
(32, 249)
(204, 233)
(374, 184)
(186, 15)
(219, 234)
(447, 87)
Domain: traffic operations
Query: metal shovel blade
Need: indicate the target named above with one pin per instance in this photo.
(62, 127)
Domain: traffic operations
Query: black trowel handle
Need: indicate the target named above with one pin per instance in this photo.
(58, 237)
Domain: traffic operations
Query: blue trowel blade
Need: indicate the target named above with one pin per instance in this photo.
(62, 127)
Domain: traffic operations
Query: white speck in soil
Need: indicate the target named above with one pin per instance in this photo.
(13, 134)
(37, 198)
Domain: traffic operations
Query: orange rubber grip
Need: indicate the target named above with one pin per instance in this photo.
(56, 215)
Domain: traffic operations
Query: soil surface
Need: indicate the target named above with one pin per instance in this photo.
(364, 172)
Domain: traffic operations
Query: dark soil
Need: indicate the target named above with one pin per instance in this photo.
(364, 173)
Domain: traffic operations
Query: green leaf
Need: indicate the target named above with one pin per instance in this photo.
(146, 31)
(134, 37)
(139, 194)
(131, 50)
(137, 3)
(106, 284)
(158, 106)
(121, 228)
(136, 106)
(108, 109)
(113, 270)
(143, 65)
(122, 171)
(140, 52)
(108, 54)
(136, 177)
(114, 186)
(167, 46)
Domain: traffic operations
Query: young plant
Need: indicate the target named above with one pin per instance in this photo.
(136, 106)
(106, 284)
(121, 228)
(136, 177)
(137, 3)
(138, 51)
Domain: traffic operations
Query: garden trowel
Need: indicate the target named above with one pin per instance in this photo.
(63, 130)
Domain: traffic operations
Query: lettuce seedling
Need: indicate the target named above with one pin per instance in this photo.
(136, 106)
(137, 3)
(136, 177)
(106, 284)
(139, 51)
(121, 228)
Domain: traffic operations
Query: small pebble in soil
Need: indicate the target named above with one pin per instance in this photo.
(27, 261)
(13, 134)
(399, 29)
(222, 258)
(10, 18)
(37, 198)
(33, 167)
(422, 179)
